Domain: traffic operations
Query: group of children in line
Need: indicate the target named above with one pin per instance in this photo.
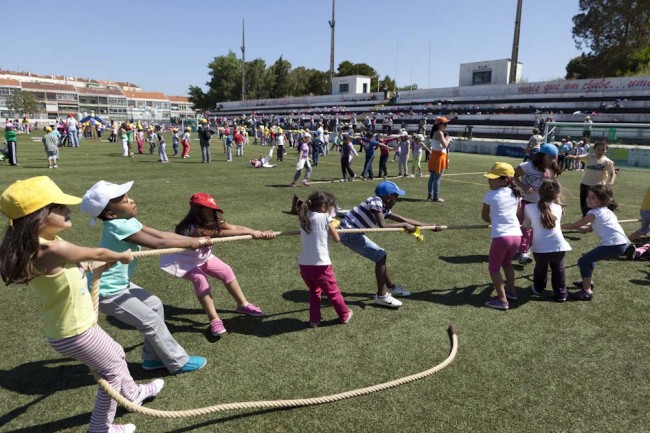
(32, 252)
(525, 211)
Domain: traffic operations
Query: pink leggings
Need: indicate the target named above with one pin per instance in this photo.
(321, 279)
(502, 251)
(214, 268)
(527, 234)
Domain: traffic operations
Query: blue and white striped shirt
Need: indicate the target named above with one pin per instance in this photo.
(362, 216)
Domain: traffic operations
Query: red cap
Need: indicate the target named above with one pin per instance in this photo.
(205, 199)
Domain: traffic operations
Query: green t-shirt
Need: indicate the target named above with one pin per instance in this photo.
(10, 135)
(116, 279)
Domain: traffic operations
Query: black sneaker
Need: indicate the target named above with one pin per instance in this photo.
(583, 295)
(629, 252)
(579, 285)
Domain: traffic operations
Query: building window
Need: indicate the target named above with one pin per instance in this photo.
(482, 77)
(344, 88)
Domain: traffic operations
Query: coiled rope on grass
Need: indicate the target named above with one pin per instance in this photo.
(273, 404)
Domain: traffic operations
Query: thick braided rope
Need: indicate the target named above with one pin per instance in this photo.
(269, 404)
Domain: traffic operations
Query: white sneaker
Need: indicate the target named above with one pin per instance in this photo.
(149, 390)
(399, 291)
(524, 259)
(387, 301)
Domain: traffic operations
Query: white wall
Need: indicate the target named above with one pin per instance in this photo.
(500, 72)
(355, 85)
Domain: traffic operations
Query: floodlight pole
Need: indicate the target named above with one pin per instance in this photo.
(243, 63)
(332, 25)
(515, 46)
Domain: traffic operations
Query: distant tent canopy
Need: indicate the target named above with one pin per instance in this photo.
(97, 119)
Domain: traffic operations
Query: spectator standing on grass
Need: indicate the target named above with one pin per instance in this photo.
(205, 134)
(438, 157)
(416, 153)
(51, 144)
(500, 208)
(534, 143)
(175, 141)
(369, 146)
(73, 131)
(404, 145)
(303, 161)
(162, 153)
(599, 170)
(12, 149)
(185, 142)
(347, 151)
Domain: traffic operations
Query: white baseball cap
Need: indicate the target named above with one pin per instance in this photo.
(97, 197)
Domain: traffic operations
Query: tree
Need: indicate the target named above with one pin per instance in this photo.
(22, 102)
(256, 88)
(280, 72)
(617, 35)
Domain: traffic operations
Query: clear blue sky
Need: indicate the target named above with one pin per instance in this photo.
(166, 45)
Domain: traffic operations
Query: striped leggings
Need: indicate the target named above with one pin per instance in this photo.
(99, 352)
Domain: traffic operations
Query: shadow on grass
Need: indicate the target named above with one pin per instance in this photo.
(475, 295)
(458, 260)
(175, 318)
(227, 419)
(645, 282)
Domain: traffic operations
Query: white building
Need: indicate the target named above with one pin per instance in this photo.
(488, 72)
(350, 85)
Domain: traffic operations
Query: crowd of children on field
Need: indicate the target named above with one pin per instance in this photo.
(523, 206)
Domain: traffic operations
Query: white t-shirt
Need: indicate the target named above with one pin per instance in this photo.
(315, 245)
(503, 212)
(533, 178)
(545, 240)
(607, 228)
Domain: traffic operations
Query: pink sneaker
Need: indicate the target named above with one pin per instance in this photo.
(251, 310)
(217, 328)
(121, 428)
(346, 318)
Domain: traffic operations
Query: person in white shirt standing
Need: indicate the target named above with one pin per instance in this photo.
(73, 132)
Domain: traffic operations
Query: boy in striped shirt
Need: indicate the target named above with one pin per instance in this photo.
(372, 213)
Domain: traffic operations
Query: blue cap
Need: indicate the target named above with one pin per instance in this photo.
(388, 188)
(548, 149)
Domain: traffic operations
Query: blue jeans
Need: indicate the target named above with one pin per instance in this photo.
(73, 137)
(586, 262)
(434, 184)
(367, 168)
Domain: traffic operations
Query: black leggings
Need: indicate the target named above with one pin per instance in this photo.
(345, 168)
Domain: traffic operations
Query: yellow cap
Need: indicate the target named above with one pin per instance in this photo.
(500, 169)
(48, 129)
(25, 197)
(204, 120)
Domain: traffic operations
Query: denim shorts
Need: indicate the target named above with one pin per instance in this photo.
(359, 243)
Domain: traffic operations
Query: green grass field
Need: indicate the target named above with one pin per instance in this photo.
(542, 366)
